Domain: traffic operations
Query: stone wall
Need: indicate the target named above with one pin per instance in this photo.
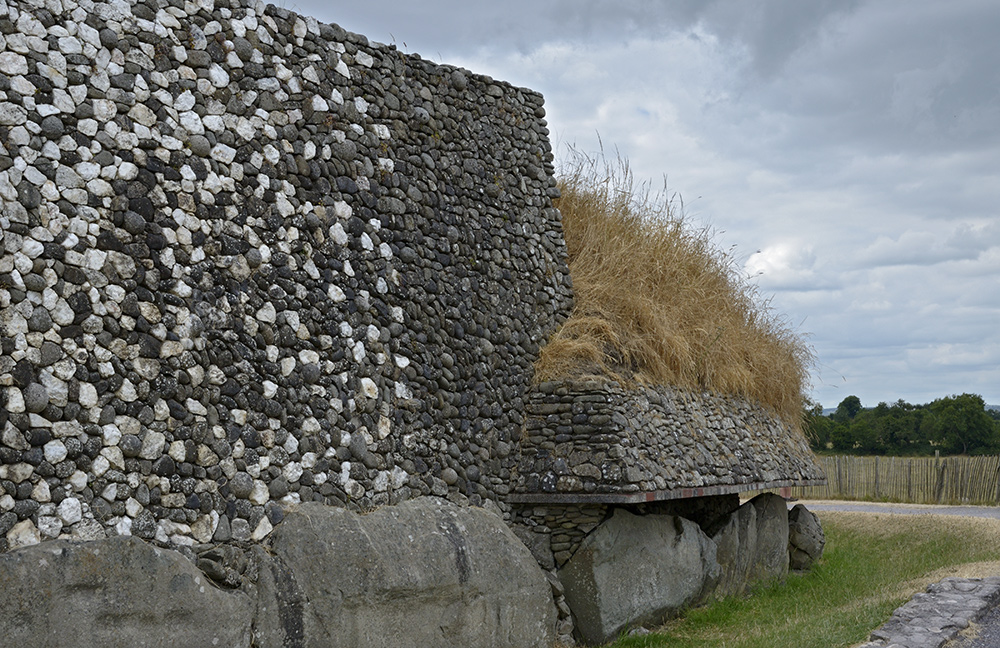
(591, 447)
(249, 260)
(593, 441)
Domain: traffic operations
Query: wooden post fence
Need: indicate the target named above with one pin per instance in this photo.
(918, 480)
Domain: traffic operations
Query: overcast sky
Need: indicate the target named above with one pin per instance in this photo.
(847, 152)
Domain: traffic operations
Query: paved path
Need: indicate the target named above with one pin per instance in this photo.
(900, 509)
(935, 618)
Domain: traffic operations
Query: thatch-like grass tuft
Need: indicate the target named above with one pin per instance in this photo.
(658, 303)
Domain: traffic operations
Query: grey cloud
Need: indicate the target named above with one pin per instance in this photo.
(965, 242)
(453, 26)
(919, 76)
(863, 130)
(773, 31)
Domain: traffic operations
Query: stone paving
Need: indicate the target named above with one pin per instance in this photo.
(932, 618)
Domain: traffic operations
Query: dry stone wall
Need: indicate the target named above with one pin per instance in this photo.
(249, 260)
(594, 441)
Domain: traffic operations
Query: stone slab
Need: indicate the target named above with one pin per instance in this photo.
(637, 570)
(423, 573)
(115, 592)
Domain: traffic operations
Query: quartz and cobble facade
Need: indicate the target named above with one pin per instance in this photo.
(248, 260)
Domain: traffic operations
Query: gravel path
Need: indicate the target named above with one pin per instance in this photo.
(985, 635)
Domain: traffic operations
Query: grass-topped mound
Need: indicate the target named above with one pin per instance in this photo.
(658, 303)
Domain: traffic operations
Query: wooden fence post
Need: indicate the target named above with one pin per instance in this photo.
(896, 479)
(876, 477)
(939, 488)
(997, 498)
(909, 481)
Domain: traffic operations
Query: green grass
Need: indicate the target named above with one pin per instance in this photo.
(872, 564)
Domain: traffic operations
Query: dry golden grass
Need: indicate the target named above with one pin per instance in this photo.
(974, 531)
(658, 303)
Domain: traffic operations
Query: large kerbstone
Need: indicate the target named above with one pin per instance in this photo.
(423, 573)
(770, 561)
(736, 548)
(805, 538)
(637, 570)
(752, 547)
(115, 592)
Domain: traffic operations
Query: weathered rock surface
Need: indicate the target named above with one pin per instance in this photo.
(115, 592)
(753, 545)
(805, 538)
(736, 547)
(423, 573)
(770, 559)
(933, 618)
(637, 570)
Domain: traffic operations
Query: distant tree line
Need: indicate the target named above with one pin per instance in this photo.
(951, 425)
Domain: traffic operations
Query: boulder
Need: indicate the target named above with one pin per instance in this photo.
(115, 592)
(736, 548)
(770, 560)
(422, 573)
(805, 538)
(637, 570)
(753, 545)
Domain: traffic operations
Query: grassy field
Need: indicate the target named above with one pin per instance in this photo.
(872, 564)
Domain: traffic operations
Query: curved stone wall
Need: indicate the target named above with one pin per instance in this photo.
(591, 441)
(249, 259)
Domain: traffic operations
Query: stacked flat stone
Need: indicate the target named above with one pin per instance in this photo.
(248, 260)
(594, 441)
(553, 533)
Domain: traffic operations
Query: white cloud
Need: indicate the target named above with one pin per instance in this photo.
(787, 265)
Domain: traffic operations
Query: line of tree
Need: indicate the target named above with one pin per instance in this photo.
(951, 425)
